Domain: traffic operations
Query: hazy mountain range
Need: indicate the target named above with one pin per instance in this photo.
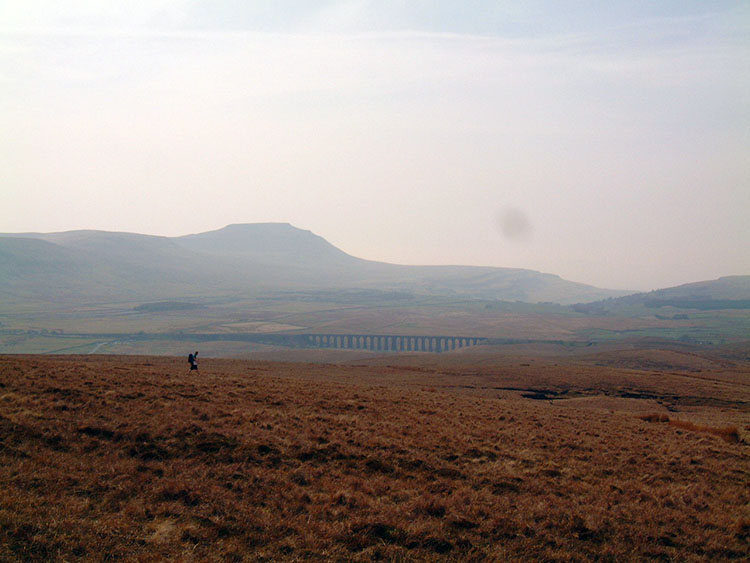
(245, 259)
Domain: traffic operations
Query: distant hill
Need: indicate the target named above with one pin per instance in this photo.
(92, 266)
(730, 292)
(277, 243)
(31, 268)
(87, 266)
(729, 288)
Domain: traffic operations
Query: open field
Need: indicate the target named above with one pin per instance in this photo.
(628, 455)
(117, 328)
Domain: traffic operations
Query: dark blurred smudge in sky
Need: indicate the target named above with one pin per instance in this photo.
(515, 225)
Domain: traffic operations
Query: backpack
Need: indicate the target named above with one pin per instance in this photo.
(191, 358)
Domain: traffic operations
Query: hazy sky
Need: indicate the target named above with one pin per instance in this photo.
(607, 142)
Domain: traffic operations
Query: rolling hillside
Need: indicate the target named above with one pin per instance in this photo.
(86, 266)
(726, 293)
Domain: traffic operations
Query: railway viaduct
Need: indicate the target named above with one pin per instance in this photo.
(389, 342)
(373, 342)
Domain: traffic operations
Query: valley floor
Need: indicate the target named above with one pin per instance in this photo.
(133, 458)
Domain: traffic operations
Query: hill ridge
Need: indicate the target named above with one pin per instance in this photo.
(243, 258)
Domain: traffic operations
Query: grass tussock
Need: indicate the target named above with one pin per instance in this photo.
(655, 417)
(139, 461)
(729, 434)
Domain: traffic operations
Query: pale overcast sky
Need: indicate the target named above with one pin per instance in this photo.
(606, 142)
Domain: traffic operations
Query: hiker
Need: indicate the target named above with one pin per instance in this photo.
(193, 361)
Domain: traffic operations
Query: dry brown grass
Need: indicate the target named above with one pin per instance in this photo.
(134, 459)
(655, 417)
(728, 433)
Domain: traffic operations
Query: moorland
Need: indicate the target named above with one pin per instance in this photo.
(621, 455)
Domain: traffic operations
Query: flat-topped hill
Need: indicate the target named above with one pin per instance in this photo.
(243, 260)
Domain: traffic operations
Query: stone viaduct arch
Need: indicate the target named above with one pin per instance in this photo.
(388, 342)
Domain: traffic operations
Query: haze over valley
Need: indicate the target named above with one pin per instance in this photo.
(251, 289)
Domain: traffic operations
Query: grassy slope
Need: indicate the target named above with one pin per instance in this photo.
(131, 457)
(244, 259)
(702, 294)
